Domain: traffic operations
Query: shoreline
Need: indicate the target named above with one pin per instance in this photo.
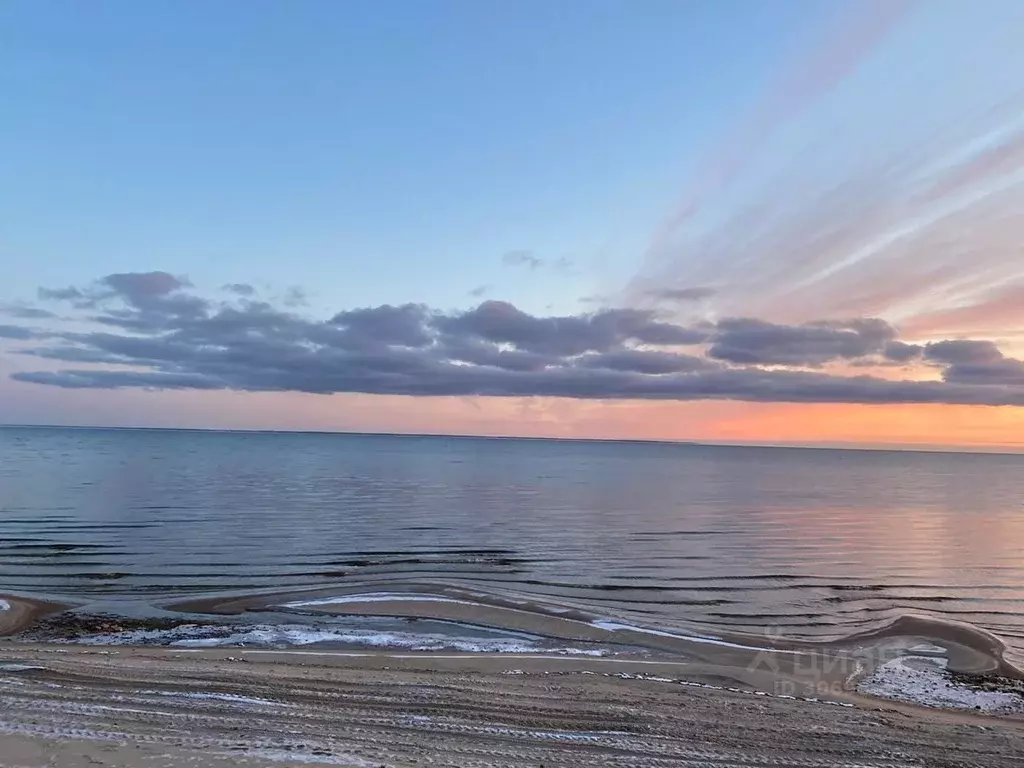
(970, 649)
(913, 659)
(636, 696)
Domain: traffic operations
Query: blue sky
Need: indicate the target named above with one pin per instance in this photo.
(851, 169)
(374, 152)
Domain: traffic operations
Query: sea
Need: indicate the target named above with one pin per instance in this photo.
(806, 544)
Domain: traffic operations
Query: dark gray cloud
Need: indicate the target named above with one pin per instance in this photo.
(154, 331)
(479, 352)
(16, 332)
(502, 323)
(404, 326)
(133, 300)
(901, 352)
(117, 380)
(962, 351)
(1004, 372)
(141, 287)
(748, 341)
(26, 313)
(242, 289)
(60, 294)
(646, 361)
(979, 363)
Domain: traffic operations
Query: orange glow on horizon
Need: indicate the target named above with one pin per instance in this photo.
(708, 421)
(940, 425)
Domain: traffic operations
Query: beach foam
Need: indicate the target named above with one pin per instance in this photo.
(271, 635)
(375, 597)
(614, 626)
(925, 681)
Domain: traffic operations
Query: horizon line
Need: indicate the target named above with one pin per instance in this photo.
(995, 449)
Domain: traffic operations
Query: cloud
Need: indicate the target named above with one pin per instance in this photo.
(140, 287)
(643, 361)
(750, 341)
(149, 291)
(975, 363)
(1000, 307)
(810, 77)
(26, 313)
(242, 289)
(117, 380)
(901, 352)
(524, 258)
(404, 326)
(696, 293)
(295, 296)
(152, 332)
(60, 294)
(479, 291)
(910, 217)
(502, 323)
(1003, 373)
(16, 332)
(962, 351)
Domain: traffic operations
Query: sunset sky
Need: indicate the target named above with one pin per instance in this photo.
(792, 221)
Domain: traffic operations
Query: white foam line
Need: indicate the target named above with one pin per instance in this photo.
(614, 626)
(391, 597)
(605, 624)
(377, 597)
(4, 605)
(267, 635)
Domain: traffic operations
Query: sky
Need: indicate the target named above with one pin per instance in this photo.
(793, 221)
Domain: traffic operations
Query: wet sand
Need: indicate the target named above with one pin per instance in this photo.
(18, 613)
(72, 707)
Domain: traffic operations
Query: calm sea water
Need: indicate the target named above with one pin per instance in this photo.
(809, 543)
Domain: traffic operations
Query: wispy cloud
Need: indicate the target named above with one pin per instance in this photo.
(852, 37)
(522, 258)
(530, 260)
(695, 293)
(900, 200)
(242, 289)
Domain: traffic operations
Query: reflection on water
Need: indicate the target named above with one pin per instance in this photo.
(813, 543)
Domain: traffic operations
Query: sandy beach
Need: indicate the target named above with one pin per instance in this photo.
(69, 706)
(119, 705)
